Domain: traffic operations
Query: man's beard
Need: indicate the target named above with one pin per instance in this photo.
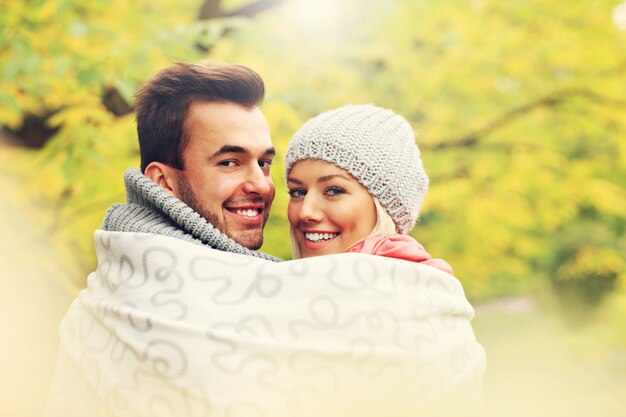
(188, 197)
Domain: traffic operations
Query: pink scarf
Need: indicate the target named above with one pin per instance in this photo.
(399, 247)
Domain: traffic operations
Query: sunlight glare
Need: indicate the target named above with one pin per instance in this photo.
(619, 16)
(320, 17)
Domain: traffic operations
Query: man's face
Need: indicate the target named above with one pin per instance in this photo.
(227, 161)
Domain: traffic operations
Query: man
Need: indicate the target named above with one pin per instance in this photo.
(204, 141)
(206, 154)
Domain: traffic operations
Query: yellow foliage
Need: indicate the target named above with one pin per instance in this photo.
(76, 116)
(606, 196)
(511, 171)
(591, 261)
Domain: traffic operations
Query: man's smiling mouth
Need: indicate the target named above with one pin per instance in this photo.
(246, 209)
(247, 212)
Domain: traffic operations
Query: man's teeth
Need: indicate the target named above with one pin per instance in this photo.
(248, 213)
(316, 237)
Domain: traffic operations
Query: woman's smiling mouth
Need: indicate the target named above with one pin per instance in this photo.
(319, 237)
(316, 240)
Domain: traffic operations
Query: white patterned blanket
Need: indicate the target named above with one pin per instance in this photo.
(169, 328)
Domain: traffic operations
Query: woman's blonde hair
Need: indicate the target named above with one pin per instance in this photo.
(384, 226)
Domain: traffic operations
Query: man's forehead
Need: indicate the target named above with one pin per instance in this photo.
(221, 111)
(220, 126)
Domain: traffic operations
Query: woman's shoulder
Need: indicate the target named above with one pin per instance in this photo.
(392, 245)
(400, 247)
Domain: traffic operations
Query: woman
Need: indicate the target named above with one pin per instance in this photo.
(356, 184)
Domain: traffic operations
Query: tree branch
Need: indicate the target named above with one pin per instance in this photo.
(212, 9)
(252, 9)
(552, 100)
(114, 102)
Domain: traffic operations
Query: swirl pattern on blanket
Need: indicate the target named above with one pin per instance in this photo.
(168, 328)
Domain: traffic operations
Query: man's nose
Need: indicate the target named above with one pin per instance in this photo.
(257, 181)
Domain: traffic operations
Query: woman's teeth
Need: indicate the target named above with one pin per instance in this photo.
(316, 237)
(248, 213)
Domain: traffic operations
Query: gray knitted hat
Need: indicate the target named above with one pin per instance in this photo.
(377, 147)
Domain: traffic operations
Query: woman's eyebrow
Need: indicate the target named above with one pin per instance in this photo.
(326, 178)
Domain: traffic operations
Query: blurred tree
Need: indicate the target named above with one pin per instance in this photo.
(519, 109)
(49, 41)
(68, 73)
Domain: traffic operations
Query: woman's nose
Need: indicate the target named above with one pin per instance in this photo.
(310, 210)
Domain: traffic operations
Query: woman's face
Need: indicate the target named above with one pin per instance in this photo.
(329, 210)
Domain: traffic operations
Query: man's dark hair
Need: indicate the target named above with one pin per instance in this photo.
(162, 104)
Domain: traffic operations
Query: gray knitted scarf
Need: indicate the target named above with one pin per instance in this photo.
(151, 209)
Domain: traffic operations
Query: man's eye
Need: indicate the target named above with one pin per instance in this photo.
(265, 164)
(296, 193)
(228, 163)
(335, 191)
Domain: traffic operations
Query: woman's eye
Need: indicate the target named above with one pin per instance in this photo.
(296, 193)
(334, 191)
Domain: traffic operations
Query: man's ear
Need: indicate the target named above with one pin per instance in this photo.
(163, 175)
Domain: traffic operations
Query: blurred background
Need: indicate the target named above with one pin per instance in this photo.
(520, 109)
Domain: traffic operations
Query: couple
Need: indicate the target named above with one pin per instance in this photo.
(184, 317)
(351, 172)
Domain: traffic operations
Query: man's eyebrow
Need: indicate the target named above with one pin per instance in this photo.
(238, 149)
(228, 149)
